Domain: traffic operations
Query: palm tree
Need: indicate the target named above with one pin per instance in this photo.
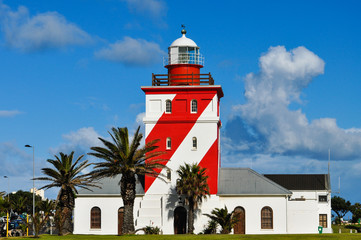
(225, 219)
(45, 210)
(124, 157)
(192, 183)
(2, 194)
(66, 174)
(19, 204)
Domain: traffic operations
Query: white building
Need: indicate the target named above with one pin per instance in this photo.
(38, 192)
(182, 110)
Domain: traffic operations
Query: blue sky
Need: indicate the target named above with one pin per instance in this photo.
(70, 70)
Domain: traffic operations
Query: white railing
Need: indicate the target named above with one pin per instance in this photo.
(184, 58)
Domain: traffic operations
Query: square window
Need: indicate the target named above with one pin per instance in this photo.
(322, 198)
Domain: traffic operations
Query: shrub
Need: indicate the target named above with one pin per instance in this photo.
(152, 230)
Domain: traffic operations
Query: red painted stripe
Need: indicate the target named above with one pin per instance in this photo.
(210, 162)
(177, 124)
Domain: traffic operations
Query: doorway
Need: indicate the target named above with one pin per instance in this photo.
(180, 220)
(240, 227)
(120, 220)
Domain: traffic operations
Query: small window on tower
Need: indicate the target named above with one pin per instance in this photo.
(168, 106)
(169, 144)
(169, 175)
(194, 106)
(194, 143)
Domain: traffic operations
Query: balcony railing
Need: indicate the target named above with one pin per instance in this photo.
(182, 79)
(184, 58)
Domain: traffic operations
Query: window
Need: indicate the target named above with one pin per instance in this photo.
(169, 175)
(168, 106)
(194, 106)
(322, 198)
(323, 220)
(169, 144)
(95, 218)
(266, 218)
(194, 143)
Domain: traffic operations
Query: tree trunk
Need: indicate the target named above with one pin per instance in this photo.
(127, 189)
(191, 217)
(68, 225)
(66, 204)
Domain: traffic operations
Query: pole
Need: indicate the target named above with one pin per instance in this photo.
(27, 224)
(33, 185)
(33, 189)
(8, 190)
(7, 223)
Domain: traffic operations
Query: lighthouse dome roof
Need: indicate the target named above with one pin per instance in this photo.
(183, 42)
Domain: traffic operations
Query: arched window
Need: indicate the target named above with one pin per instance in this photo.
(194, 106)
(168, 106)
(169, 144)
(194, 143)
(266, 218)
(95, 218)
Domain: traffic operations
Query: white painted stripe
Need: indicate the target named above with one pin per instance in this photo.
(154, 116)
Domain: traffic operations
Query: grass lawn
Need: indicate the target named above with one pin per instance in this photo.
(198, 237)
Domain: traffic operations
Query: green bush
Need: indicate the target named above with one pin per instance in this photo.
(152, 230)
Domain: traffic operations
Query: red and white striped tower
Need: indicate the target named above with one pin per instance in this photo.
(182, 110)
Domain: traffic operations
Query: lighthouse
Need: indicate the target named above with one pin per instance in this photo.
(182, 110)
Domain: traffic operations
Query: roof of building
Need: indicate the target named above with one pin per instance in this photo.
(183, 42)
(245, 181)
(301, 181)
(110, 186)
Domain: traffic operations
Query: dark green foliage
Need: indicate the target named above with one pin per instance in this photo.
(22, 201)
(127, 158)
(150, 230)
(356, 212)
(225, 219)
(211, 227)
(340, 206)
(192, 184)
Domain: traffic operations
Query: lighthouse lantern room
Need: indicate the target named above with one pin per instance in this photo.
(183, 62)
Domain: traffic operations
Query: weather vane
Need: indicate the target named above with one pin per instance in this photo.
(183, 30)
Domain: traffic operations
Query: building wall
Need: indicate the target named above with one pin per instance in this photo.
(304, 215)
(253, 206)
(158, 210)
(109, 214)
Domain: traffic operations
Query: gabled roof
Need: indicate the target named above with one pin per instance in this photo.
(109, 186)
(245, 181)
(301, 181)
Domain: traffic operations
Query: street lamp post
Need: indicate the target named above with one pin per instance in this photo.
(33, 184)
(8, 188)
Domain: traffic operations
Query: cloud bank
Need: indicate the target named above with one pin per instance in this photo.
(152, 8)
(132, 52)
(42, 31)
(9, 113)
(266, 125)
(79, 141)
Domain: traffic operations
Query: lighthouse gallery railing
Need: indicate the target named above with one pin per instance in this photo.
(182, 79)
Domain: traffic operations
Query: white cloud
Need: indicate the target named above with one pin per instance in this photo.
(9, 113)
(153, 8)
(132, 51)
(265, 124)
(79, 141)
(39, 32)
